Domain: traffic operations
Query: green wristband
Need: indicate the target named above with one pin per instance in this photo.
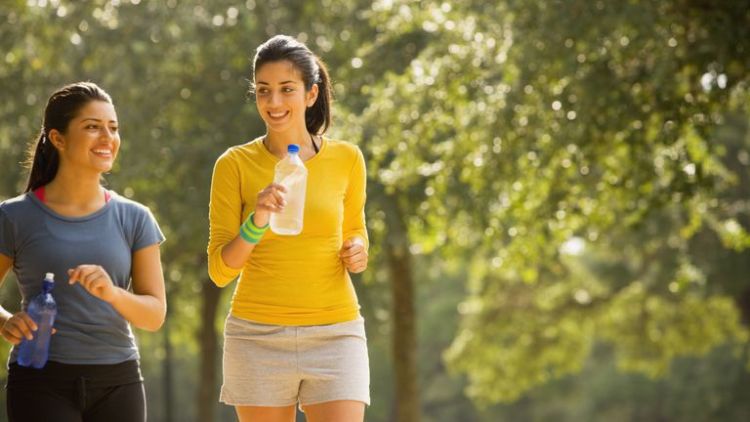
(250, 232)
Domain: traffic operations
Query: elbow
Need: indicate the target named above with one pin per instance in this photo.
(156, 321)
(219, 273)
(217, 277)
(152, 327)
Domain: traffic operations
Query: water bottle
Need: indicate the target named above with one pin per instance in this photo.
(292, 174)
(42, 309)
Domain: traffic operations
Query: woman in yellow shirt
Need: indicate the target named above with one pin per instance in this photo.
(294, 335)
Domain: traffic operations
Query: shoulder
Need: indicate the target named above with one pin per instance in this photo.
(237, 153)
(343, 149)
(128, 206)
(17, 205)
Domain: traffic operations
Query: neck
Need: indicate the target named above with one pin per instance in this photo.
(277, 142)
(71, 188)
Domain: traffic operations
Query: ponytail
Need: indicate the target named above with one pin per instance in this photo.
(42, 160)
(318, 116)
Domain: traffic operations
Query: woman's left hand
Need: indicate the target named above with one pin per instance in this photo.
(95, 280)
(354, 255)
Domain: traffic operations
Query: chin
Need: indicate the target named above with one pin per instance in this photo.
(278, 127)
(104, 168)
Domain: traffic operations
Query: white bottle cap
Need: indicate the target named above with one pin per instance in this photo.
(49, 276)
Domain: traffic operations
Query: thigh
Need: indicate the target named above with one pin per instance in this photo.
(334, 364)
(40, 404)
(266, 414)
(335, 411)
(123, 403)
(259, 365)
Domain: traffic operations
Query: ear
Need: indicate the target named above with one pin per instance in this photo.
(311, 96)
(57, 139)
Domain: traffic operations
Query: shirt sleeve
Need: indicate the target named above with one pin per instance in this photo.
(7, 239)
(354, 201)
(147, 231)
(224, 218)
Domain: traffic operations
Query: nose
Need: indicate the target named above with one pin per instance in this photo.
(275, 99)
(108, 133)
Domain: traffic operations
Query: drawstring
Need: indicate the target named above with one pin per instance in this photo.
(81, 392)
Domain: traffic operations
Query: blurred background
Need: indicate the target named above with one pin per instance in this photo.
(558, 193)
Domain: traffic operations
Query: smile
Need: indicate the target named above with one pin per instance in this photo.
(103, 153)
(278, 115)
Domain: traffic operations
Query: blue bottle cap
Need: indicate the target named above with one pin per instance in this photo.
(293, 148)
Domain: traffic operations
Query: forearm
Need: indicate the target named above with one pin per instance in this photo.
(146, 312)
(238, 251)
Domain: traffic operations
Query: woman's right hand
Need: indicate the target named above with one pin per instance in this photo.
(17, 327)
(270, 199)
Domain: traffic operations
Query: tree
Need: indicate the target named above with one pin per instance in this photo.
(573, 123)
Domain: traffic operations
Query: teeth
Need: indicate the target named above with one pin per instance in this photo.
(276, 115)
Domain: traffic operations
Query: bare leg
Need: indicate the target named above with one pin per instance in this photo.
(335, 411)
(265, 414)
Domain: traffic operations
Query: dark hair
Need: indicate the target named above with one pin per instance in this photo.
(313, 70)
(64, 104)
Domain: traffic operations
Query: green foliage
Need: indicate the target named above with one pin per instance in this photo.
(514, 131)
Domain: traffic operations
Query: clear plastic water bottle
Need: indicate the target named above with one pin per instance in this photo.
(292, 173)
(42, 309)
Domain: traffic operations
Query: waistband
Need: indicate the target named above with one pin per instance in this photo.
(64, 375)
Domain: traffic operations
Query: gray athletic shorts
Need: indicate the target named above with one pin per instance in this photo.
(275, 365)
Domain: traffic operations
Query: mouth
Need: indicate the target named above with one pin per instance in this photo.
(102, 153)
(277, 115)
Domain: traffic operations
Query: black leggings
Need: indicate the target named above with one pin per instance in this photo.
(76, 393)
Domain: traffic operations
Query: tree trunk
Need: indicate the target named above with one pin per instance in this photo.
(743, 303)
(207, 396)
(404, 316)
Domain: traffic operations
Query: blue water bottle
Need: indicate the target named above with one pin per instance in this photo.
(42, 309)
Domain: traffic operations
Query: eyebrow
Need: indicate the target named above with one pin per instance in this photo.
(280, 83)
(96, 120)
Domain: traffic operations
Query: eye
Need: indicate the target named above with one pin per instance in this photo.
(92, 126)
(287, 89)
(114, 129)
(262, 91)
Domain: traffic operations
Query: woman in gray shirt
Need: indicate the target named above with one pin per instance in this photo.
(104, 251)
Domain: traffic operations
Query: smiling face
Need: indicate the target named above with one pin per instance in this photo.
(91, 140)
(281, 97)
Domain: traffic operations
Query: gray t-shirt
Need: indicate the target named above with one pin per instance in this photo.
(38, 240)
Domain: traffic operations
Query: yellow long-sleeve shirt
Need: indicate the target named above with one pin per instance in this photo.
(290, 280)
